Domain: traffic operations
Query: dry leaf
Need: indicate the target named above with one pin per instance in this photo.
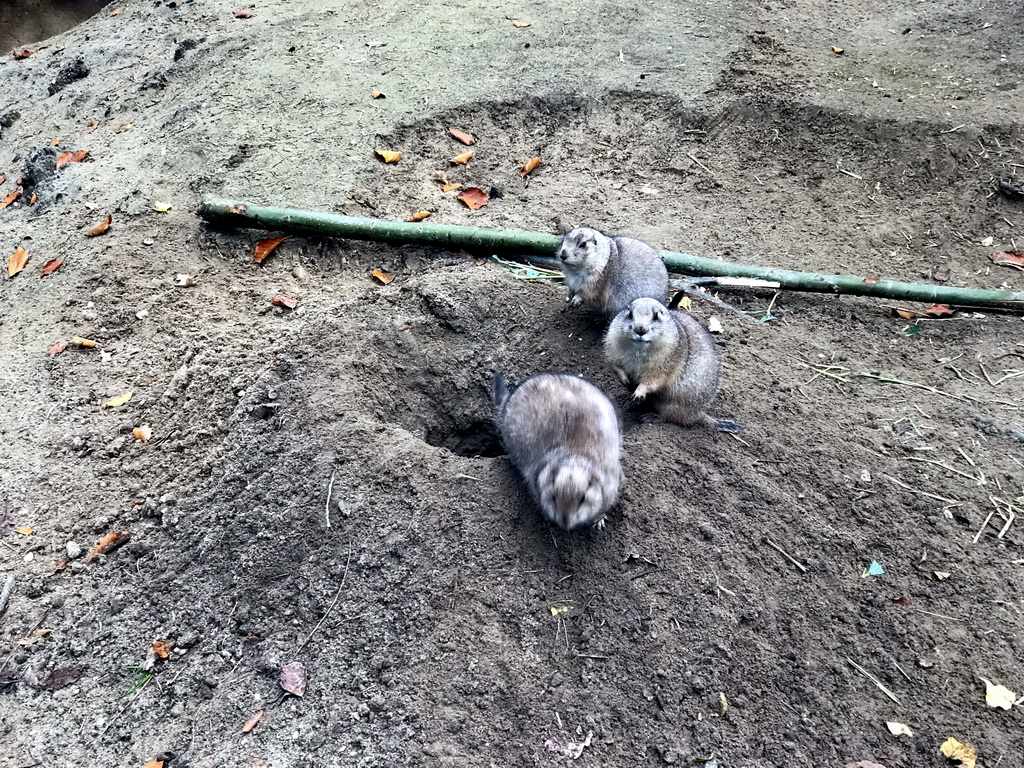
(25, 531)
(181, 280)
(162, 207)
(51, 266)
(419, 216)
(106, 542)
(941, 575)
(24, 53)
(116, 11)
(1002, 257)
(70, 157)
(56, 348)
(939, 310)
(125, 127)
(280, 300)
(529, 165)
(906, 314)
(723, 701)
(265, 247)
(161, 649)
(388, 156)
(449, 187)
(837, 51)
(37, 635)
(55, 142)
(474, 197)
(382, 276)
(998, 695)
(83, 342)
(518, 23)
(17, 262)
(93, 124)
(60, 565)
(61, 677)
(252, 721)
(959, 750)
(293, 678)
(898, 729)
(9, 198)
(117, 402)
(239, 209)
(463, 158)
(32, 200)
(373, 95)
(100, 228)
(559, 609)
(465, 138)
(242, 13)
(154, 764)
(3, 179)
(143, 433)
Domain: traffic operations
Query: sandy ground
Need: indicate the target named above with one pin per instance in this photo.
(439, 620)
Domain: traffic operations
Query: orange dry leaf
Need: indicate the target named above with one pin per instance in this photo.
(71, 157)
(388, 156)
(51, 266)
(10, 198)
(280, 300)
(530, 165)
(143, 433)
(93, 124)
(419, 216)
(24, 53)
(116, 11)
(154, 764)
(83, 342)
(938, 310)
(384, 277)
(32, 200)
(161, 649)
(837, 50)
(243, 14)
(906, 314)
(252, 721)
(870, 280)
(239, 209)
(375, 95)
(25, 531)
(55, 142)
(518, 23)
(474, 197)
(463, 158)
(465, 138)
(107, 542)
(1003, 257)
(3, 179)
(100, 228)
(449, 187)
(57, 347)
(17, 262)
(264, 248)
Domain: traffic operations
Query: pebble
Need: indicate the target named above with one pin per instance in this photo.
(73, 550)
(299, 272)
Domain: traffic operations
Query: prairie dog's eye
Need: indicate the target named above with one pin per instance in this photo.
(629, 315)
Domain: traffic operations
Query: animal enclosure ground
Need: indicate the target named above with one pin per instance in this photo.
(440, 621)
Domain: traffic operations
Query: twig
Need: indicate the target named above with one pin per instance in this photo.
(873, 679)
(330, 608)
(591, 656)
(698, 162)
(902, 671)
(850, 173)
(785, 554)
(327, 506)
(688, 288)
(5, 593)
(984, 525)
(948, 468)
(904, 486)
(937, 615)
(926, 388)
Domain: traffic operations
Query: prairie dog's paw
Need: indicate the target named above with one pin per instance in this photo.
(599, 525)
(641, 392)
(576, 300)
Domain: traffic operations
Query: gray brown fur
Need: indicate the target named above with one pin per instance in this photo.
(562, 434)
(607, 273)
(670, 356)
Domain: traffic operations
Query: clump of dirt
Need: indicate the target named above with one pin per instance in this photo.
(324, 484)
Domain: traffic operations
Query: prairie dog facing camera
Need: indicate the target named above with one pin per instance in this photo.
(562, 434)
(667, 354)
(607, 273)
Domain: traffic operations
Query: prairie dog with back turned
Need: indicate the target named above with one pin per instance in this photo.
(562, 434)
(607, 273)
(667, 354)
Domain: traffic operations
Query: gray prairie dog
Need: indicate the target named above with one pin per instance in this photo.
(669, 355)
(607, 273)
(562, 434)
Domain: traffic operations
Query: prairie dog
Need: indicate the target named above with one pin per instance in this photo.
(607, 273)
(670, 355)
(562, 434)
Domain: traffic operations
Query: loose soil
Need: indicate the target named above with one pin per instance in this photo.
(440, 620)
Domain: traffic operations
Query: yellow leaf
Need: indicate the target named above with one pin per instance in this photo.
(388, 156)
(449, 187)
(463, 158)
(17, 262)
(25, 531)
(899, 729)
(82, 342)
(162, 207)
(419, 216)
(959, 750)
(143, 433)
(557, 609)
(998, 695)
(382, 276)
(125, 127)
(530, 165)
(117, 402)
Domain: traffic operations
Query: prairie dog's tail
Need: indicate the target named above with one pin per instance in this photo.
(499, 389)
(677, 299)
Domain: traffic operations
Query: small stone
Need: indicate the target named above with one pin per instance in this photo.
(169, 499)
(147, 241)
(142, 314)
(299, 272)
(865, 476)
(73, 549)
